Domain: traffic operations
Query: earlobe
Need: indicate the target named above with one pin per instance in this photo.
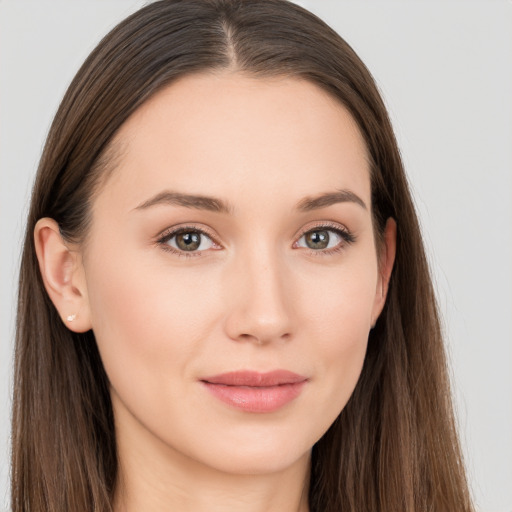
(63, 276)
(386, 262)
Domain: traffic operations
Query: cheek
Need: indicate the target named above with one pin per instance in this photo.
(339, 304)
(339, 320)
(148, 323)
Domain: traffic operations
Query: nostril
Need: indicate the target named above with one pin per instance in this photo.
(260, 340)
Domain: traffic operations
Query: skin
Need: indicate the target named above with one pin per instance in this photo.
(254, 297)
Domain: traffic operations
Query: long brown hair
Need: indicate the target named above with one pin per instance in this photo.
(394, 446)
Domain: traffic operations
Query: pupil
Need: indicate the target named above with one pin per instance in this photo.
(188, 241)
(317, 239)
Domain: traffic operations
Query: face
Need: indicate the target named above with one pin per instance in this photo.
(231, 271)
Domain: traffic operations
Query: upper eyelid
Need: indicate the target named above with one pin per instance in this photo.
(335, 226)
(175, 230)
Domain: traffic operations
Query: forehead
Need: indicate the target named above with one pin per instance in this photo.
(232, 134)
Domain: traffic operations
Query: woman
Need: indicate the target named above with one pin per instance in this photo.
(224, 298)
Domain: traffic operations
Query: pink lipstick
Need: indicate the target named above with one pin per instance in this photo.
(256, 392)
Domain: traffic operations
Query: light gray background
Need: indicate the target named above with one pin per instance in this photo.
(445, 70)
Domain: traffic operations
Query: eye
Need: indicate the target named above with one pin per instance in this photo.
(324, 238)
(187, 240)
(319, 239)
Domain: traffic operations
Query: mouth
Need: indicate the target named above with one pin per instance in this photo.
(256, 392)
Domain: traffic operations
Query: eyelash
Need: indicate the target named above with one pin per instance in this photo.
(347, 239)
(346, 236)
(172, 232)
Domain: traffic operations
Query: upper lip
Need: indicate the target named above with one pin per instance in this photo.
(255, 379)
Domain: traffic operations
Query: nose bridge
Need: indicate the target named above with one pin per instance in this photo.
(260, 309)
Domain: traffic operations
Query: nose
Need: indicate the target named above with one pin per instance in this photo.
(260, 300)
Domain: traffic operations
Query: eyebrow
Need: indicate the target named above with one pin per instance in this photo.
(324, 200)
(197, 202)
(213, 204)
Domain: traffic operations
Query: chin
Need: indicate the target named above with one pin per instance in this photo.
(260, 461)
(253, 451)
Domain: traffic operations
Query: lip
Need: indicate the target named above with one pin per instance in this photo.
(256, 392)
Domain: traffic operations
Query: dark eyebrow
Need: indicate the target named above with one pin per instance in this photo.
(187, 200)
(213, 204)
(323, 200)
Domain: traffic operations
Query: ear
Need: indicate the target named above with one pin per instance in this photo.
(63, 275)
(386, 262)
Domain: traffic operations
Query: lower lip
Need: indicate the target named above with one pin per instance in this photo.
(256, 399)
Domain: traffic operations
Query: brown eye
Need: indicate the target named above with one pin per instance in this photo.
(317, 239)
(189, 241)
(324, 239)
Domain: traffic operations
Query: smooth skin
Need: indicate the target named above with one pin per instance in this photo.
(260, 277)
